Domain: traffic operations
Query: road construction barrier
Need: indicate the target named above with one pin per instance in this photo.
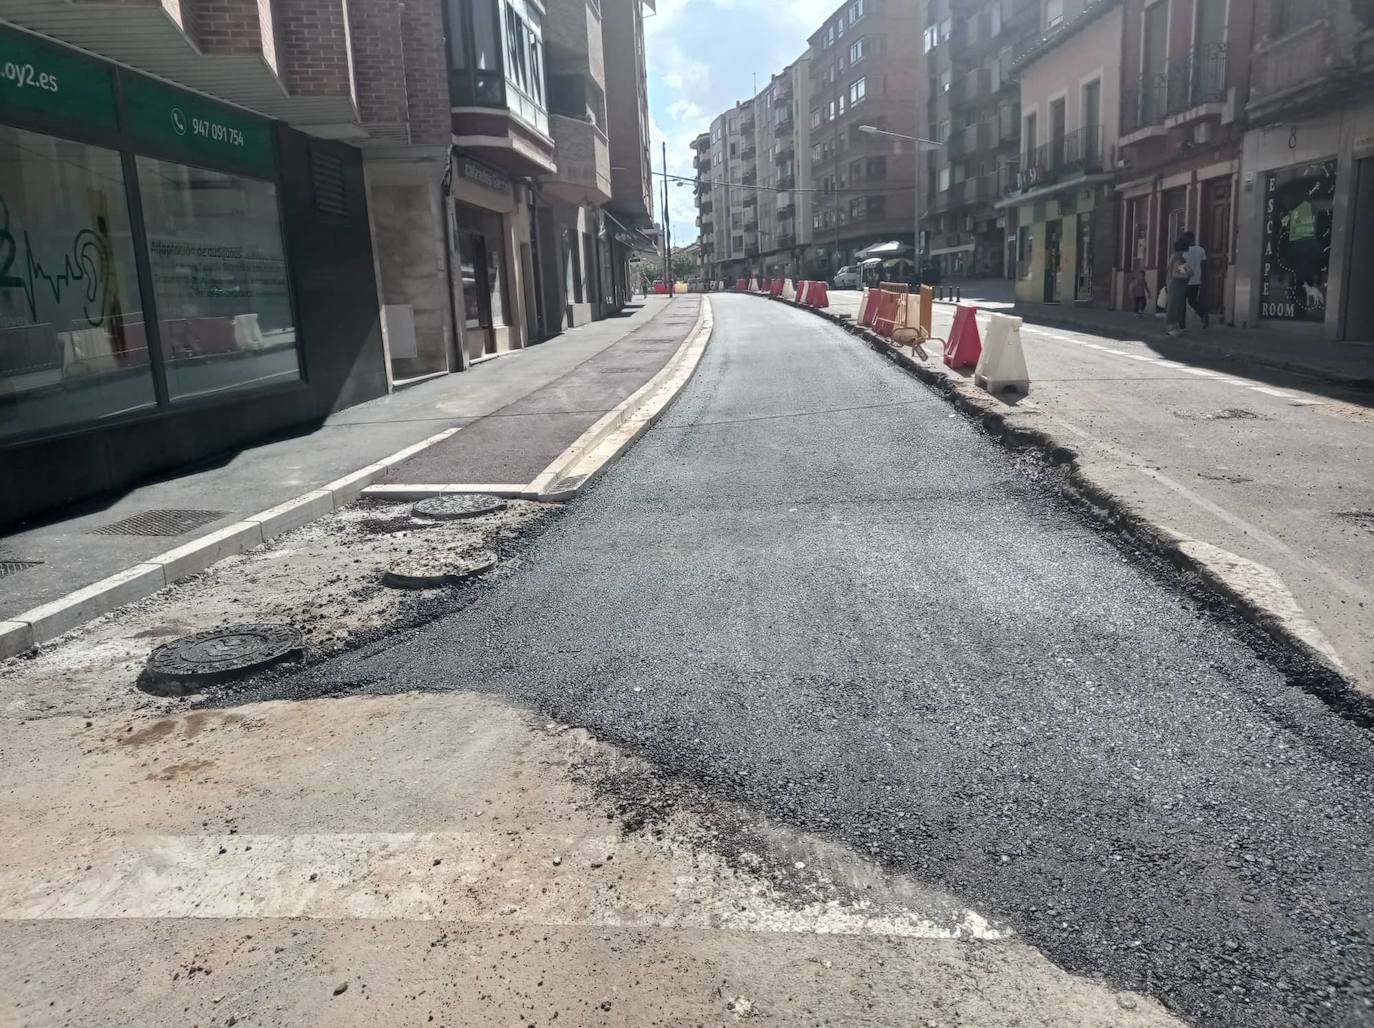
(776, 288)
(753, 286)
(789, 292)
(1003, 362)
(886, 317)
(803, 291)
(964, 347)
(818, 296)
(741, 284)
(867, 308)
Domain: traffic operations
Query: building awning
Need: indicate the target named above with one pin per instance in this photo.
(632, 237)
(889, 249)
(961, 248)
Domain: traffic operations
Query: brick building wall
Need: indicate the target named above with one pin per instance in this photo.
(315, 41)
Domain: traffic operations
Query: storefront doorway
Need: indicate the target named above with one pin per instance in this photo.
(1083, 259)
(1053, 249)
(1215, 238)
(482, 265)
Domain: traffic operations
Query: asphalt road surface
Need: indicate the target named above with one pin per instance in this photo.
(814, 590)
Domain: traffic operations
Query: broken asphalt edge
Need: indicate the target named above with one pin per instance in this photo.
(1312, 672)
(32, 628)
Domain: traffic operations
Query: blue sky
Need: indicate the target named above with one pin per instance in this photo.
(702, 57)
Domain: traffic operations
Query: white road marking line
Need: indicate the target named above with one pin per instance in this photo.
(1272, 392)
(1201, 373)
(481, 876)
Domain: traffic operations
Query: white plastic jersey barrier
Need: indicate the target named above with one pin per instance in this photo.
(1002, 364)
(788, 293)
(753, 285)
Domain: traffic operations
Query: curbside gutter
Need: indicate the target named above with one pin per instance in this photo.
(1308, 666)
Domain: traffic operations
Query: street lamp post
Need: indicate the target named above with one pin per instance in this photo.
(918, 143)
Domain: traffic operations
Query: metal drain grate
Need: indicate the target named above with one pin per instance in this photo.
(161, 522)
(13, 567)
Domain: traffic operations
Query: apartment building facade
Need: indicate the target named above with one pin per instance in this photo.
(971, 107)
(1185, 79)
(1304, 256)
(864, 71)
(1060, 190)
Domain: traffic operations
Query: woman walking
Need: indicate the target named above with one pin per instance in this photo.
(1179, 273)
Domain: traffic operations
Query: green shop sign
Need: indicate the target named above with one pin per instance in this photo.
(164, 116)
(39, 78)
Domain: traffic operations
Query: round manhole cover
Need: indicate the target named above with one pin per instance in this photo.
(452, 506)
(432, 573)
(219, 655)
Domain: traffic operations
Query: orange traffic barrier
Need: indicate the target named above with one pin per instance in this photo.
(803, 291)
(964, 346)
(741, 284)
(819, 296)
(887, 314)
(776, 288)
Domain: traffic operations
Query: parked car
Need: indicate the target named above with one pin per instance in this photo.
(847, 277)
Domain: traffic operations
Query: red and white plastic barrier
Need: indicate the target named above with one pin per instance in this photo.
(964, 348)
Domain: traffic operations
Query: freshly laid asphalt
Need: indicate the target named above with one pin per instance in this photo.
(814, 590)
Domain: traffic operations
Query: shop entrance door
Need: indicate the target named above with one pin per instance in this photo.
(1173, 215)
(1216, 240)
(1053, 236)
(1083, 260)
(475, 257)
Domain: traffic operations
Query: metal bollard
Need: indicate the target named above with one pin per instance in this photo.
(958, 293)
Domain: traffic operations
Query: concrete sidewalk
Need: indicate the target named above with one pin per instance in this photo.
(531, 403)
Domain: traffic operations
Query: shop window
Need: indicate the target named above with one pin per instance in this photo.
(1296, 248)
(219, 278)
(73, 347)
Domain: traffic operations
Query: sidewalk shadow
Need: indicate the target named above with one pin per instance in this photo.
(1219, 348)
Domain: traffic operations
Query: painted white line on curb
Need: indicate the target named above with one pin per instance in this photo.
(46, 622)
(16, 637)
(609, 422)
(199, 554)
(62, 615)
(641, 412)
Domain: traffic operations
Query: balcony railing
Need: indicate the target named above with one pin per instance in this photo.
(787, 182)
(749, 178)
(1196, 78)
(1078, 153)
(748, 153)
(786, 211)
(1281, 69)
(782, 99)
(751, 200)
(784, 127)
